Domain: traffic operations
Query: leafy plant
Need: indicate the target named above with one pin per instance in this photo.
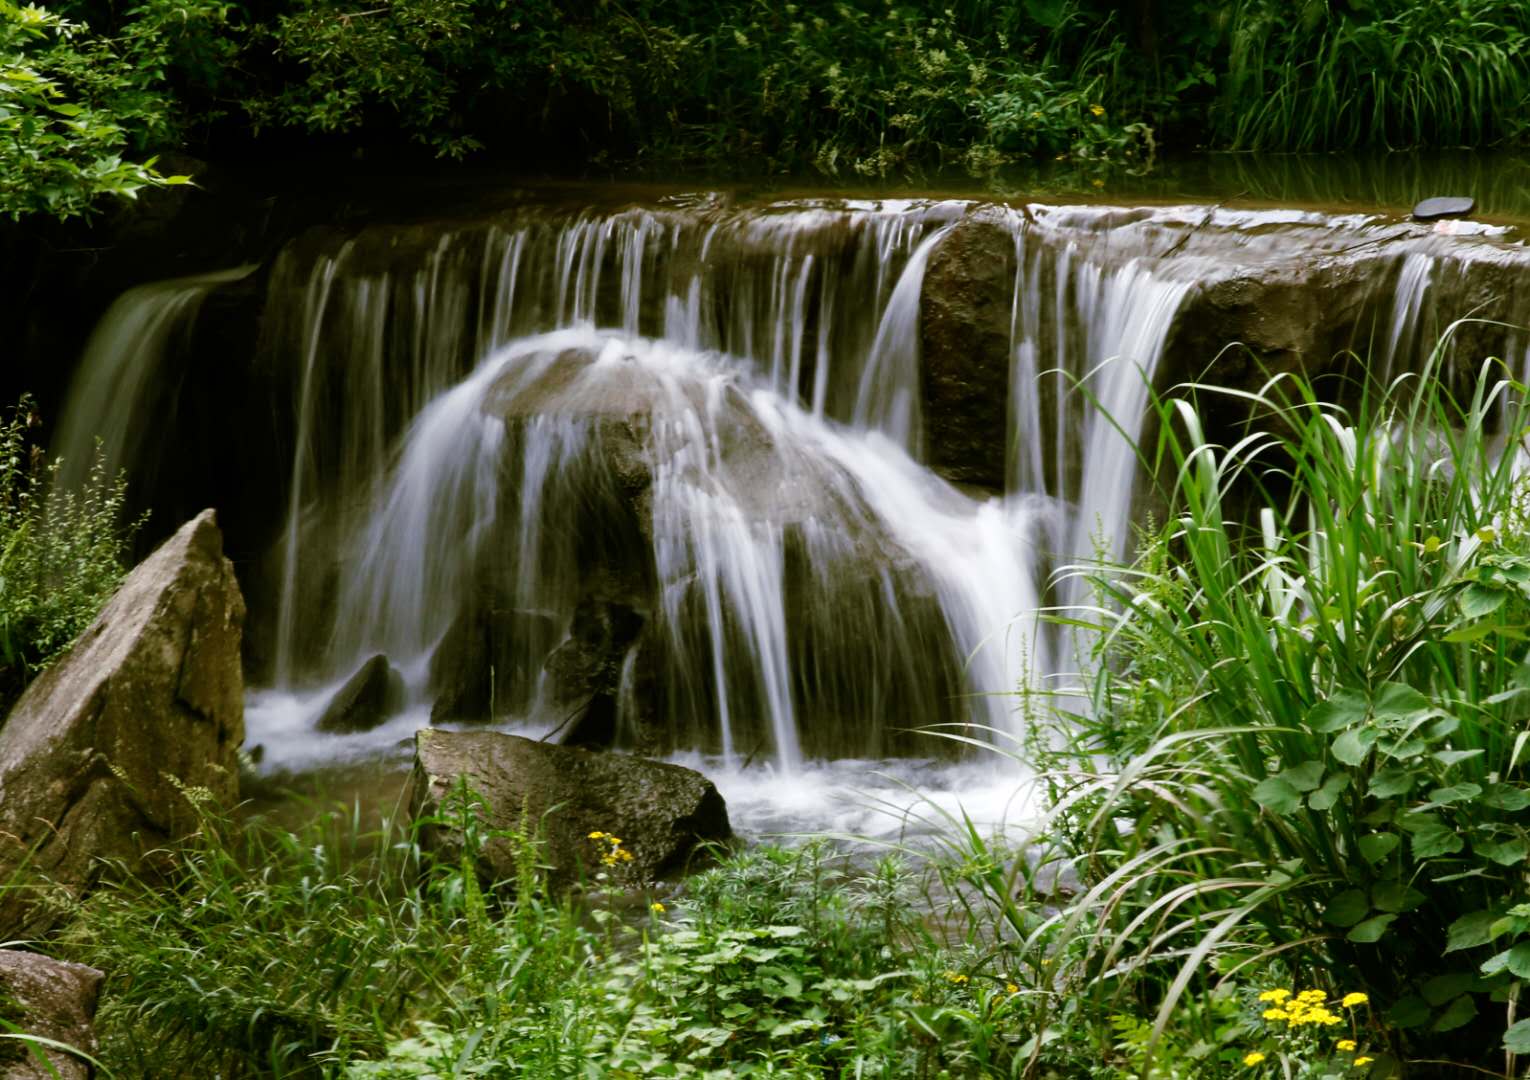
(1327, 708)
(62, 553)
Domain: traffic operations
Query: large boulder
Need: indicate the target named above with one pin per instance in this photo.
(98, 758)
(659, 811)
(53, 1000)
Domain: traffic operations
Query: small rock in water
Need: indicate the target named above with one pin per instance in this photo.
(1443, 206)
(365, 701)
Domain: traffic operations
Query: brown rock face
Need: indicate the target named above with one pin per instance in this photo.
(964, 329)
(55, 1000)
(149, 699)
(660, 811)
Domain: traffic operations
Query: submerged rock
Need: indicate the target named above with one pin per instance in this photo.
(99, 756)
(366, 700)
(55, 1000)
(660, 811)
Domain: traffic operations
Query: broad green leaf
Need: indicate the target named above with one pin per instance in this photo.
(1442, 988)
(1378, 846)
(1517, 1039)
(1435, 839)
(1371, 930)
(1519, 960)
(1352, 746)
(1326, 796)
(1304, 777)
(1496, 963)
(1444, 727)
(1460, 1013)
(1392, 781)
(1506, 797)
(1469, 931)
(1504, 853)
(1455, 757)
(1444, 796)
(1399, 701)
(1346, 909)
(1344, 709)
(1477, 601)
(1276, 795)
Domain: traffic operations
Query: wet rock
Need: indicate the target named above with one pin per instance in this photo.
(55, 1000)
(586, 670)
(964, 330)
(661, 812)
(1443, 206)
(148, 702)
(486, 662)
(367, 699)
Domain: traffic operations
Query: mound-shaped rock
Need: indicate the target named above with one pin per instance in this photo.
(660, 812)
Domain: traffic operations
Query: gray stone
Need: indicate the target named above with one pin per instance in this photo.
(54, 1000)
(660, 811)
(1443, 206)
(96, 757)
(366, 700)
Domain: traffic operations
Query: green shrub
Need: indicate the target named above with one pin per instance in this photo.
(62, 553)
(77, 104)
(1324, 704)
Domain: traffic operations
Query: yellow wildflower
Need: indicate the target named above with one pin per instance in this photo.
(1351, 1000)
(1363, 1060)
(1011, 988)
(1312, 995)
(1277, 996)
(597, 835)
(1276, 1014)
(955, 978)
(656, 907)
(1345, 1044)
(1098, 183)
(1098, 110)
(1253, 1058)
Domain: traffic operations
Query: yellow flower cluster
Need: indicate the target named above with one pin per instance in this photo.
(1253, 1058)
(613, 853)
(1306, 1007)
(955, 978)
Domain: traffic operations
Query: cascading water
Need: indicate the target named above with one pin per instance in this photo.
(122, 372)
(656, 476)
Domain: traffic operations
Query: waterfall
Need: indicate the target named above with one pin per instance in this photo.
(657, 474)
(116, 395)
